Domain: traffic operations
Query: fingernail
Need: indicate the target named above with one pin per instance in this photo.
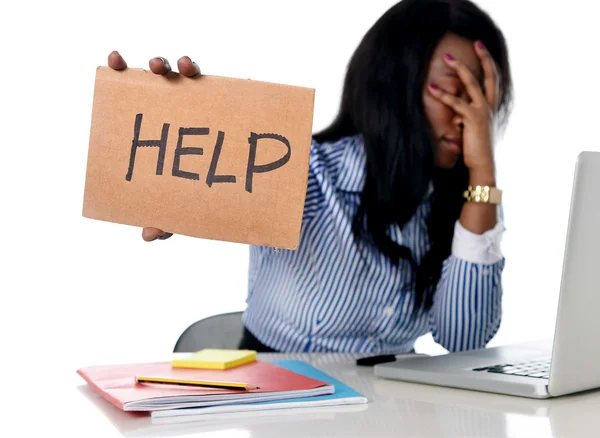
(197, 68)
(434, 87)
(449, 57)
(164, 236)
(480, 44)
(165, 62)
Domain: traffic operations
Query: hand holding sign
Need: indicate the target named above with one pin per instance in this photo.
(204, 156)
(159, 66)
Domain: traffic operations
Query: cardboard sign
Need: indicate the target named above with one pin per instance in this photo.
(208, 157)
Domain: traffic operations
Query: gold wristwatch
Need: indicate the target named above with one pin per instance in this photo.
(483, 195)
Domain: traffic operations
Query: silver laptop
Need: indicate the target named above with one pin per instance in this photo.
(568, 364)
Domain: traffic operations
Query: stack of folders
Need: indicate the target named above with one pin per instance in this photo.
(190, 389)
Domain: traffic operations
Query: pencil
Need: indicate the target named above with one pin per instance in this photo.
(197, 383)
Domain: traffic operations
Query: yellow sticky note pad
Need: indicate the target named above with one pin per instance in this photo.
(215, 359)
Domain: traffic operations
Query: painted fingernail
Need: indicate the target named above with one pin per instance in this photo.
(449, 57)
(197, 68)
(480, 44)
(164, 236)
(434, 87)
(165, 62)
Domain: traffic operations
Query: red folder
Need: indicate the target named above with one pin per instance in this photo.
(117, 384)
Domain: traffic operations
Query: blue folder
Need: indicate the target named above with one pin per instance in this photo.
(343, 395)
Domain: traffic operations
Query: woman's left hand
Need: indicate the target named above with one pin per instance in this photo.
(478, 114)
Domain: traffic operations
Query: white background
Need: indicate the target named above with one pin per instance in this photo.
(75, 291)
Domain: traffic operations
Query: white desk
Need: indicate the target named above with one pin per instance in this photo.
(395, 409)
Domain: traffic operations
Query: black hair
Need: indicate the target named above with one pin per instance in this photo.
(382, 101)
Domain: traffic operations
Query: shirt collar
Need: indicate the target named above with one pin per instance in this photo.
(429, 190)
(353, 167)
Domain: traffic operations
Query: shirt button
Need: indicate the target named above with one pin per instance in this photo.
(389, 311)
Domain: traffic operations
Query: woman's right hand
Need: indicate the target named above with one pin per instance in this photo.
(159, 66)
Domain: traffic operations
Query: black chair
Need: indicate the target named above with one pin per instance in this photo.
(218, 331)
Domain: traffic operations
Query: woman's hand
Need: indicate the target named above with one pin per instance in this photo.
(477, 115)
(159, 66)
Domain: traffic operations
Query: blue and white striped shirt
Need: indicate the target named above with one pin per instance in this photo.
(325, 297)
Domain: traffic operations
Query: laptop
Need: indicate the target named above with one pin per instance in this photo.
(567, 364)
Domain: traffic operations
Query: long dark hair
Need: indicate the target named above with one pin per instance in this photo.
(382, 100)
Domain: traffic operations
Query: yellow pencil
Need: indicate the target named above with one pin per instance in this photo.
(199, 383)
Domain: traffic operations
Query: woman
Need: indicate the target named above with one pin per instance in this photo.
(393, 243)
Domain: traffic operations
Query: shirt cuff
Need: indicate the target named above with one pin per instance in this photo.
(478, 248)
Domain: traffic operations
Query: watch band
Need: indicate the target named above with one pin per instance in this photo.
(483, 195)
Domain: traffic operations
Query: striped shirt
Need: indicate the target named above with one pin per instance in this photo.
(329, 296)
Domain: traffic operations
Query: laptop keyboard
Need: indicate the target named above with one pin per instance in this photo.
(538, 368)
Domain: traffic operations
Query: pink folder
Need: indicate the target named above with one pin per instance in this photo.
(117, 384)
